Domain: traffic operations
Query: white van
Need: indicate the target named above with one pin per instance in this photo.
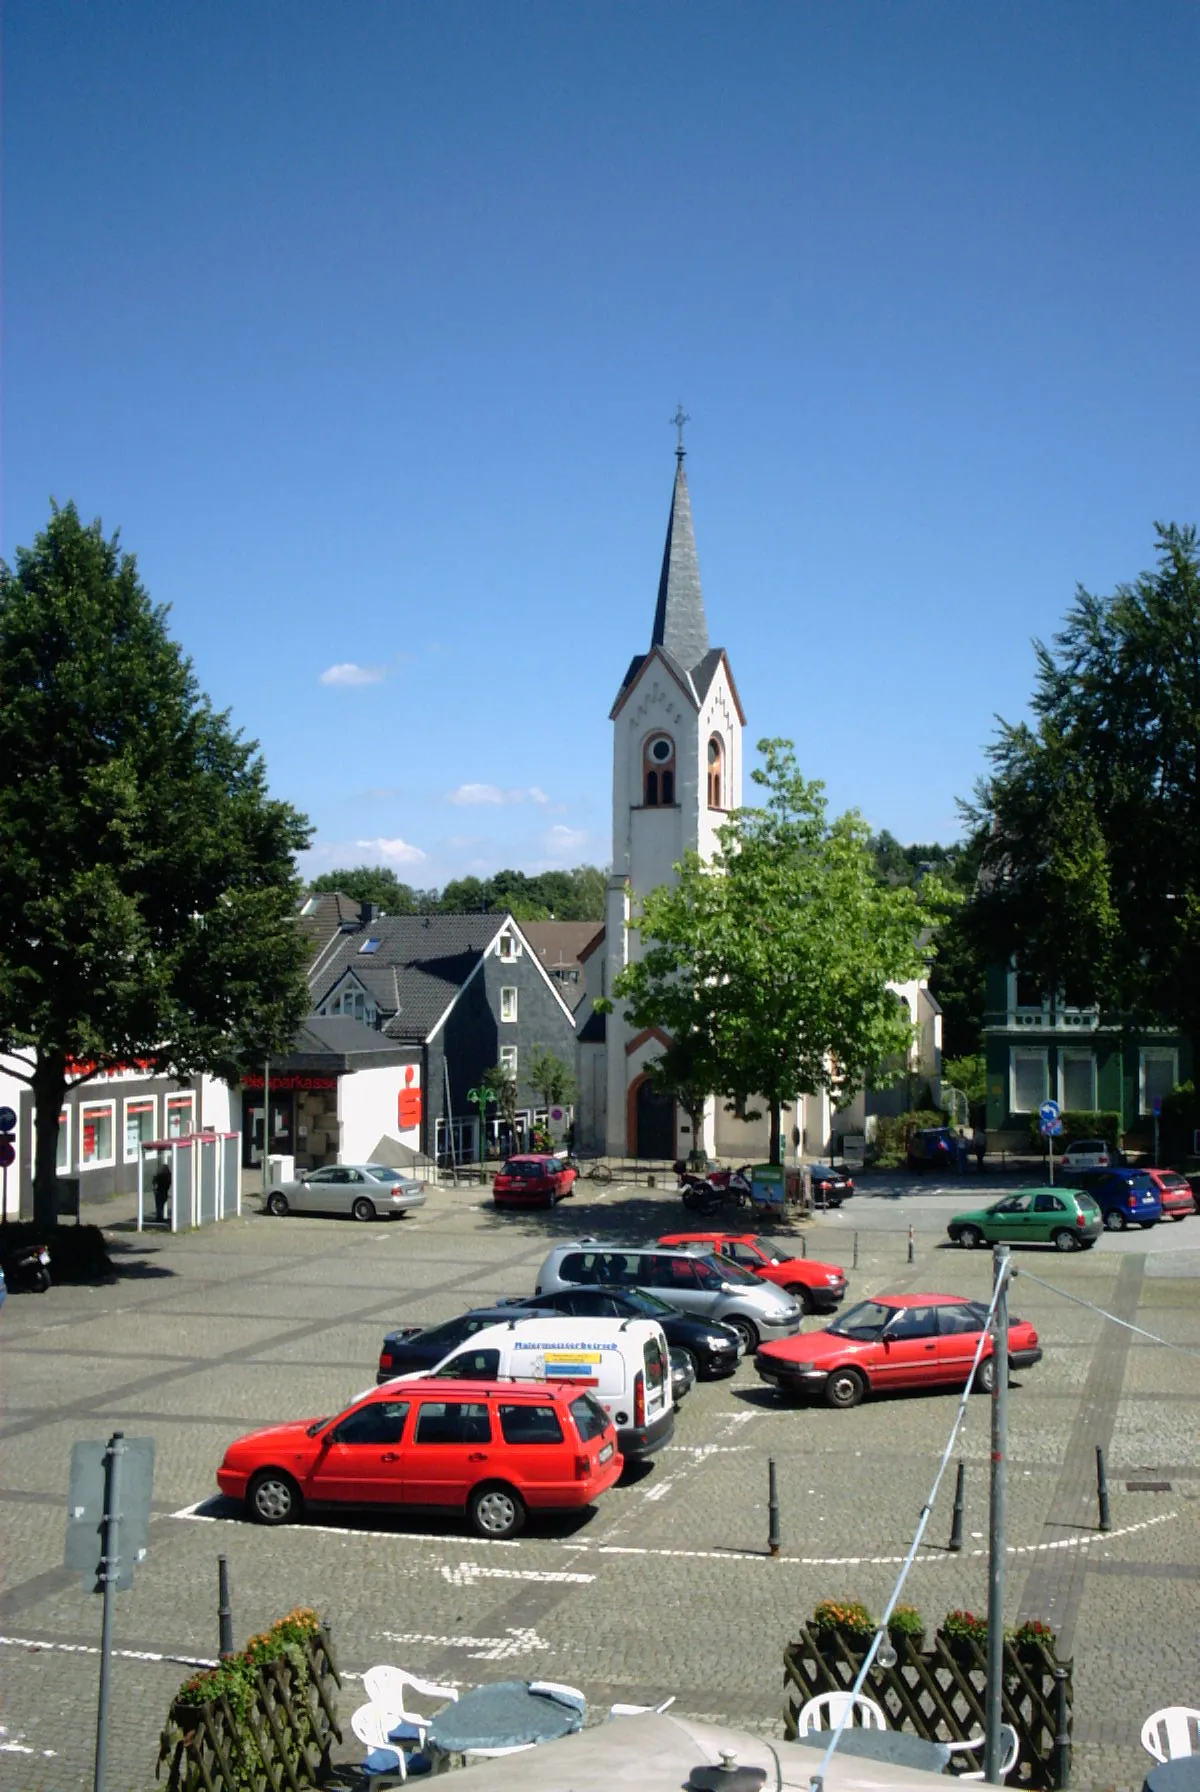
(624, 1363)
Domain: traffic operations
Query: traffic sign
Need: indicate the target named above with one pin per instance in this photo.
(8, 1120)
(1051, 1129)
(1049, 1121)
(1156, 1106)
(86, 1513)
(8, 1151)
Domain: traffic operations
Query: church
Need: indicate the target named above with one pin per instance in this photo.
(678, 727)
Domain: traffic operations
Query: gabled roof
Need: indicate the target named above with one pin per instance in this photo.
(561, 947)
(680, 624)
(415, 973)
(322, 913)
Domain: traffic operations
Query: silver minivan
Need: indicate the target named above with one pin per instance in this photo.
(694, 1281)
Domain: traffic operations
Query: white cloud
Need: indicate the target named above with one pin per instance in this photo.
(348, 673)
(475, 795)
(560, 840)
(397, 851)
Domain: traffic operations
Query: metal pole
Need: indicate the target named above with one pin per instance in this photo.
(1050, 1142)
(110, 1563)
(956, 1522)
(1102, 1491)
(266, 1150)
(855, 1264)
(772, 1509)
(224, 1609)
(994, 1745)
(910, 1245)
(1062, 1729)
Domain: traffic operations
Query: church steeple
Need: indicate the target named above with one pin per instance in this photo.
(680, 625)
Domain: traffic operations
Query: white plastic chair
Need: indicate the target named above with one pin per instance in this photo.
(1172, 1733)
(393, 1688)
(385, 1763)
(832, 1705)
(565, 1695)
(639, 1710)
(1012, 1751)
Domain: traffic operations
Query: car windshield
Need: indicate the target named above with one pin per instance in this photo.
(729, 1271)
(591, 1420)
(1172, 1179)
(514, 1167)
(771, 1247)
(865, 1321)
(645, 1302)
(1086, 1203)
(383, 1173)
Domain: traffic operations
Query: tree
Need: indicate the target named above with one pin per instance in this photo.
(1091, 815)
(374, 883)
(503, 1085)
(551, 1078)
(773, 961)
(147, 884)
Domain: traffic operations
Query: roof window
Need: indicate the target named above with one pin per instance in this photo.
(371, 945)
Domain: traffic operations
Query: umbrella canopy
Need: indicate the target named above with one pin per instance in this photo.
(656, 1752)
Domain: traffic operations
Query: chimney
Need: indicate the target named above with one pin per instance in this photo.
(368, 912)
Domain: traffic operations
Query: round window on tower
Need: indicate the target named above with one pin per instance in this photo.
(658, 772)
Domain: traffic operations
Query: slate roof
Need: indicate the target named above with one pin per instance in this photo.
(338, 1044)
(680, 624)
(419, 966)
(560, 946)
(322, 913)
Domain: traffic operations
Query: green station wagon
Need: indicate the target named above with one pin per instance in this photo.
(1063, 1217)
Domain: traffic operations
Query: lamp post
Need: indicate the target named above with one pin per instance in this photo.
(481, 1097)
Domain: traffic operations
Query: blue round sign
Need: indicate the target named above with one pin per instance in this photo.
(8, 1120)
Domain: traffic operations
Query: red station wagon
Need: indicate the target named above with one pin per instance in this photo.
(1176, 1191)
(533, 1180)
(819, 1287)
(495, 1449)
(893, 1341)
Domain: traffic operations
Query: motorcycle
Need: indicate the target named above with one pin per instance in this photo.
(27, 1266)
(707, 1192)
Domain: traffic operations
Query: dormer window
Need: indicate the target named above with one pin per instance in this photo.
(716, 773)
(507, 947)
(658, 772)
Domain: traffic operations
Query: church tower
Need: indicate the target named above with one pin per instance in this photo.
(677, 772)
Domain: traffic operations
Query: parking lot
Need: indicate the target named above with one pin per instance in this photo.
(665, 1587)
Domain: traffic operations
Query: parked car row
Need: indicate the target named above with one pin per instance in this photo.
(1072, 1216)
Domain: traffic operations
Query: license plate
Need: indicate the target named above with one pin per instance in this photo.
(605, 1453)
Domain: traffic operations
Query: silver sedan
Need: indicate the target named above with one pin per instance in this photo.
(367, 1191)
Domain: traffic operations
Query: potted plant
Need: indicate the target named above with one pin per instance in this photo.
(1035, 1643)
(906, 1627)
(965, 1633)
(845, 1624)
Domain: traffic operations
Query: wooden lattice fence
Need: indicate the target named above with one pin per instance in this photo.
(280, 1739)
(940, 1693)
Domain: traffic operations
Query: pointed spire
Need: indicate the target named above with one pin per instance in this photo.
(680, 624)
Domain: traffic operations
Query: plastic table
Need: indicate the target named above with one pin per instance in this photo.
(503, 1715)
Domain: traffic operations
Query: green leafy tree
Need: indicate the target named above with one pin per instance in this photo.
(775, 958)
(1091, 816)
(551, 1078)
(503, 1085)
(147, 884)
(378, 884)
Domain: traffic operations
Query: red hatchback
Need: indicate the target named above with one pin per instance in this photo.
(893, 1341)
(1177, 1198)
(495, 1448)
(819, 1287)
(533, 1180)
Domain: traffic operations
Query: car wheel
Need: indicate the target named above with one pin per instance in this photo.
(689, 1357)
(970, 1237)
(496, 1510)
(802, 1294)
(273, 1497)
(844, 1388)
(363, 1209)
(277, 1203)
(1065, 1241)
(747, 1335)
(1114, 1220)
(985, 1376)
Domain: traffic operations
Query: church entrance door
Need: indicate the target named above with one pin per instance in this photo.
(655, 1123)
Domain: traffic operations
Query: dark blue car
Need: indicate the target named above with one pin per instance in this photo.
(1125, 1197)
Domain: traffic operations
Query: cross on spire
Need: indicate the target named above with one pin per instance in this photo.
(679, 419)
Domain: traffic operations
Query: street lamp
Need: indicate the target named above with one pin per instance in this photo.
(481, 1097)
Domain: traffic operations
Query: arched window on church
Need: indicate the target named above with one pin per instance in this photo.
(716, 773)
(658, 772)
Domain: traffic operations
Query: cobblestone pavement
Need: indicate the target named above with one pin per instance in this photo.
(665, 1587)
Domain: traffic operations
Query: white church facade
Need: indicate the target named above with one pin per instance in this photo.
(678, 757)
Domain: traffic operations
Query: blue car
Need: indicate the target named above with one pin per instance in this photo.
(1125, 1197)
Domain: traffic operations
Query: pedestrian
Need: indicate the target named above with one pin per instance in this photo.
(162, 1190)
(962, 1152)
(979, 1145)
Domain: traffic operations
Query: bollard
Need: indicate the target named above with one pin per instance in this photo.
(772, 1509)
(804, 1244)
(224, 1610)
(956, 1522)
(855, 1250)
(911, 1256)
(1062, 1729)
(1102, 1491)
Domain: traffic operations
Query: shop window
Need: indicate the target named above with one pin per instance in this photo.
(508, 1004)
(716, 773)
(658, 772)
(96, 1127)
(180, 1114)
(140, 1121)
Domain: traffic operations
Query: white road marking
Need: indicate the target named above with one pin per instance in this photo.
(32, 1643)
(481, 1648)
(468, 1572)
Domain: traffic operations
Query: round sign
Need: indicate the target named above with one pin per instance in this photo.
(8, 1153)
(1048, 1111)
(8, 1120)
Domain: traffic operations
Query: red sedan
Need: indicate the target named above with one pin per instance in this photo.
(1177, 1198)
(819, 1287)
(893, 1341)
(533, 1180)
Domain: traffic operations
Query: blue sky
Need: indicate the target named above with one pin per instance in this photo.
(364, 325)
